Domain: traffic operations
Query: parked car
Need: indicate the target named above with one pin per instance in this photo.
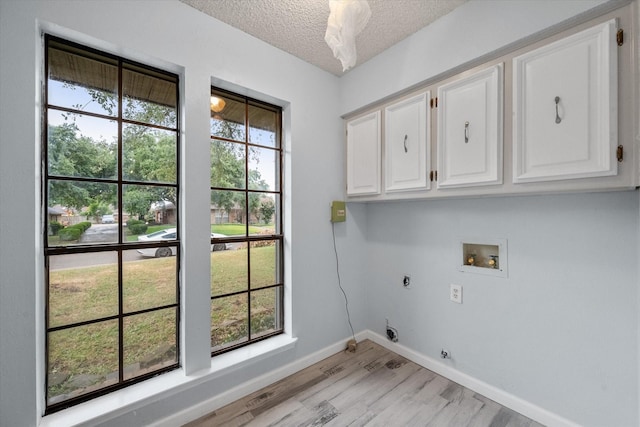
(108, 219)
(168, 235)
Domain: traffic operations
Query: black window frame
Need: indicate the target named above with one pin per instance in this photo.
(248, 238)
(122, 245)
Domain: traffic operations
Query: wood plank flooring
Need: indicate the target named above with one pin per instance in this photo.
(371, 387)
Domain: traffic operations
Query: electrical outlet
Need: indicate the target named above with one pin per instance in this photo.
(338, 211)
(455, 293)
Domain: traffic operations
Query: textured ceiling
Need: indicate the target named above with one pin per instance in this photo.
(298, 26)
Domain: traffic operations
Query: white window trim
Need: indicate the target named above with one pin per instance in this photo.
(107, 407)
(104, 408)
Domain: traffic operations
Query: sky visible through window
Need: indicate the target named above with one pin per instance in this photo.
(112, 297)
(102, 130)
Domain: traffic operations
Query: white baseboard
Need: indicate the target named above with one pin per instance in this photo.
(218, 401)
(502, 397)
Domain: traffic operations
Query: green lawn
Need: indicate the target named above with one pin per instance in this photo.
(239, 229)
(229, 314)
(81, 294)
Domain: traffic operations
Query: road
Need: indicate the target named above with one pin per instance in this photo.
(97, 233)
(61, 262)
(101, 233)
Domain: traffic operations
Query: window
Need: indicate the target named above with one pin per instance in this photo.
(112, 248)
(246, 221)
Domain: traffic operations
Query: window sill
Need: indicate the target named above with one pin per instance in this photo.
(136, 396)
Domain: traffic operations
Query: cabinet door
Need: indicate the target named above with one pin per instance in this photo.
(407, 144)
(363, 155)
(565, 108)
(470, 130)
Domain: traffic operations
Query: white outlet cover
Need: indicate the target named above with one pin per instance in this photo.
(455, 293)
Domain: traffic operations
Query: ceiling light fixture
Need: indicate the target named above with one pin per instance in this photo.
(217, 104)
(346, 20)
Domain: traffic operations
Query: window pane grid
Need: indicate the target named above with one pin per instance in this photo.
(98, 320)
(246, 278)
(277, 285)
(62, 109)
(89, 313)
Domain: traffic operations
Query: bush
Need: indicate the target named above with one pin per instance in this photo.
(136, 226)
(55, 227)
(83, 225)
(70, 233)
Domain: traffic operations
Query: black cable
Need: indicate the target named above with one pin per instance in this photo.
(346, 301)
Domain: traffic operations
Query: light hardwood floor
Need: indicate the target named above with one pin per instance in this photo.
(371, 387)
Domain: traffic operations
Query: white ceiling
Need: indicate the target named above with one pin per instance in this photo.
(298, 26)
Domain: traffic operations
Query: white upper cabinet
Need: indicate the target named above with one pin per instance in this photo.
(470, 130)
(565, 108)
(363, 155)
(407, 145)
(557, 115)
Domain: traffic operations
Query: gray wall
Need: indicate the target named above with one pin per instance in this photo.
(174, 36)
(477, 28)
(559, 332)
(545, 333)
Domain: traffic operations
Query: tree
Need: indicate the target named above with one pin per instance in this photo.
(149, 155)
(71, 155)
(96, 209)
(228, 172)
(138, 202)
(256, 183)
(228, 166)
(267, 209)
(144, 111)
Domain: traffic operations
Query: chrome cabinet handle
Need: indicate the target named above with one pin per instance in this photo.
(558, 119)
(466, 132)
(405, 143)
